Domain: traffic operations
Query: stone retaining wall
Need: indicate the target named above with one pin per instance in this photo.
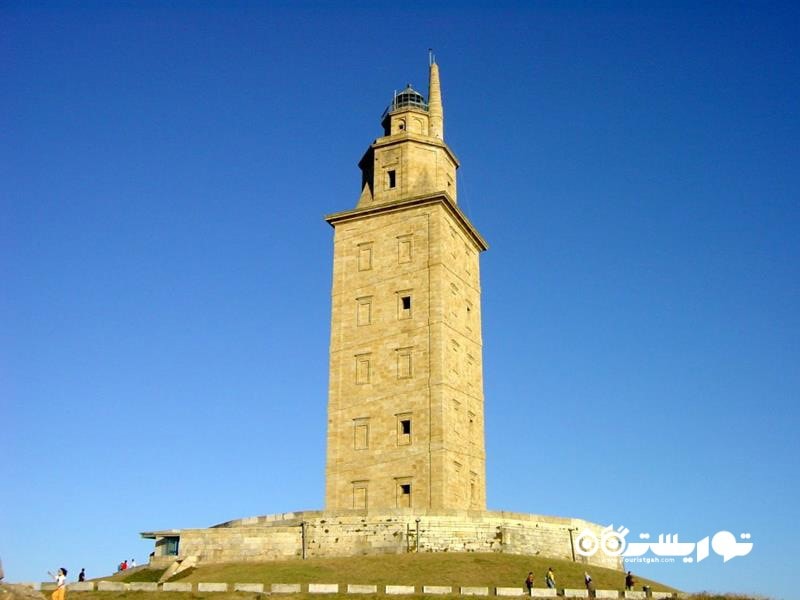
(334, 588)
(352, 533)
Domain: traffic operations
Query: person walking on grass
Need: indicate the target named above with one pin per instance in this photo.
(587, 579)
(629, 581)
(61, 584)
(529, 583)
(550, 578)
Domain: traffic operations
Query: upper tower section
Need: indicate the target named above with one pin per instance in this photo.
(411, 160)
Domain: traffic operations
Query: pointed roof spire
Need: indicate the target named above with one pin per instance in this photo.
(435, 109)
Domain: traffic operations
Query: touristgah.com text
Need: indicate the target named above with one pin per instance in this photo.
(648, 560)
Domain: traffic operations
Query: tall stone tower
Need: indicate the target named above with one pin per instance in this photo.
(405, 400)
(405, 407)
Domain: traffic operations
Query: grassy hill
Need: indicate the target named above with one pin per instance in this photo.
(470, 569)
(489, 570)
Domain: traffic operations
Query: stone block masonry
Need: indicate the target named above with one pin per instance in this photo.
(285, 588)
(400, 590)
(257, 588)
(176, 586)
(437, 589)
(323, 588)
(361, 589)
(81, 586)
(111, 586)
(212, 587)
(405, 400)
(314, 534)
(474, 591)
(508, 591)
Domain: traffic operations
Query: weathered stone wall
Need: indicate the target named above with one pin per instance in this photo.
(405, 409)
(352, 533)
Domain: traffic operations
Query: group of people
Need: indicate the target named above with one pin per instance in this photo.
(124, 565)
(60, 577)
(587, 579)
(549, 579)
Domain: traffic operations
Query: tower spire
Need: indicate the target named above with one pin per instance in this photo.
(435, 109)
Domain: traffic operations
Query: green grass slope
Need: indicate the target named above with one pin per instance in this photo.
(462, 569)
(485, 570)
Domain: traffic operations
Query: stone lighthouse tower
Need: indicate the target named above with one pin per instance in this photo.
(405, 406)
(406, 460)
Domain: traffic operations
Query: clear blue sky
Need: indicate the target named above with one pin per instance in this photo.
(165, 267)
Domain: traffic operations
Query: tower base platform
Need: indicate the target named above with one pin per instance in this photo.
(312, 534)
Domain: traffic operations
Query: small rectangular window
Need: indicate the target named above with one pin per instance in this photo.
(365, 256)
(404, 363)
(404, 248)
(361, 434)
(362, 369)
(364, 310)
(171, 545)
(404, 304)
(404, 493)
(391, 178)
(359, 494)
(404, 429)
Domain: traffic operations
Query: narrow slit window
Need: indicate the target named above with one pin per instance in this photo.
(391, 178)
(403, 429)
(404, 305)
(403, 492)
